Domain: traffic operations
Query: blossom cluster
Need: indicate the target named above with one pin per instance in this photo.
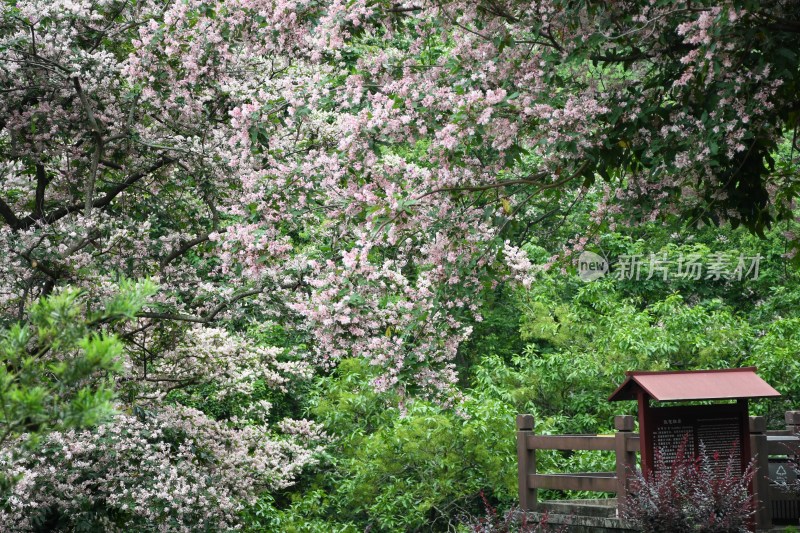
(170, 470)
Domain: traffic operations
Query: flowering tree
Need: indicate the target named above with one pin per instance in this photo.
(353, 171)
(119, 140)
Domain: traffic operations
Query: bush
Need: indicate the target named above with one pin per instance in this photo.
(173, 470)
(689, 496)
(57, 367)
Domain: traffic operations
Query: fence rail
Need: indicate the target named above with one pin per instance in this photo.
(624, 443)
(571, 442)
(594, 481)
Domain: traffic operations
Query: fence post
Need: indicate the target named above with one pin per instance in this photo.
(526, 463)
(793, 422)
(758, 450)
(626, 461)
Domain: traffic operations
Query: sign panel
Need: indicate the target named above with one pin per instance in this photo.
(721, 429)
(781, 471)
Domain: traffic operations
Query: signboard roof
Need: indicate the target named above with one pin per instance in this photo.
(684, 385)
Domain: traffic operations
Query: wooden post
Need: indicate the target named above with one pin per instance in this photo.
(646, 455)
(626, 461)
(793, 422)
(526, 463)
(758, 450)
(747, 450)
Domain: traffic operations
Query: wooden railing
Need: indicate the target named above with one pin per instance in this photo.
(625, 445)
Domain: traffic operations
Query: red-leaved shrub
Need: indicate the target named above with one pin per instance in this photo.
(689, 495)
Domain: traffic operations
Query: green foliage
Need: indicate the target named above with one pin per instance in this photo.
(556, 350)
(580, 347)
(400, 465)
(58, 365)
(776, 355)
(497, 333)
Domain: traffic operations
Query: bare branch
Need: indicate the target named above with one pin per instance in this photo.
(98, 149)
(61, 212)
(201, 319)
(183, 248)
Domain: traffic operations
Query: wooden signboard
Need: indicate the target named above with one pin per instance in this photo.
(722, 428)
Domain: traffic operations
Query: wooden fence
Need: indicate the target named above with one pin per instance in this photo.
(772, 503)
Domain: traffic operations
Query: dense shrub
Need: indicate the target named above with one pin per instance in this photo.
(57, 366)
(174, 470)
(690, 496)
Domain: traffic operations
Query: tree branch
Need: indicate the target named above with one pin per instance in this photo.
(9, 216)
(791, 26)
(41, 185)
(201, 319)
(476, 188)
(618, 58)
(61, 212)
(98, 149)
(44, 269)
(183, 248)
(524, 181)
(400, 9)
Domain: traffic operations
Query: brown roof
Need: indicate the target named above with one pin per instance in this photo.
(727, 384)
